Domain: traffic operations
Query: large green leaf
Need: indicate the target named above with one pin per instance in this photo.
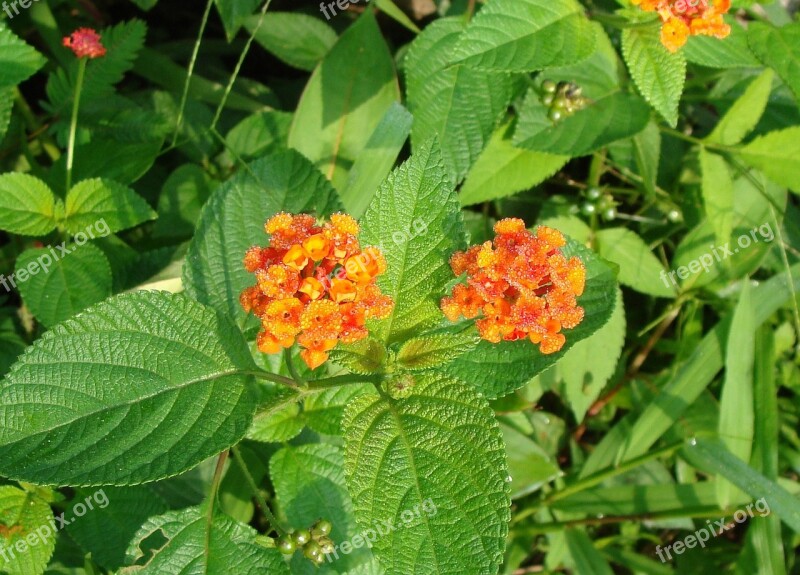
(60, 288)
(18, 61)
(196, 546)
(638, 267)
(434, 465)
(658, 74)
(94, 200)
(298, 39)
(233, 221)
(459, 105)
(526, 35)
(416, 222)
(717, 188)
(30, 539)
(778, 48)
(732, 52)
(141, 387)
(498, 369)
(776, 155)
(745, 113)
(27, 205)
(342, 105)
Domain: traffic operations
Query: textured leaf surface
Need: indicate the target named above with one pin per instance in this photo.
(138, 388)
(233, 221)
(717, 188)
(745, 113)
(91, 201)
(778, 48)
(18, 61)
(24, 514)
(498, 369)
(415, 220)
(323, 411)
(658, 74)
(459, 105)
(298, 39)
(68, 286)
(429, 351)
(278, 418)
(526, 35)
(732, 52)
(442, 446)
(776, 155)
(27, 205)
(196, 547)
(638, 267)
(342, 105)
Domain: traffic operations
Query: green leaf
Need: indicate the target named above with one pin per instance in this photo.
(611, 118)
(139, 388)
(28, 545)
(341, 105)
(182, 198)
(233, 14)
(6, 108)
(57, 289)
(778, 48)
(27, 205)
(278, 418)
(658, 74)
(503, 170)
(196, 546)
(586, 557)
(732, 52)
(498, 369)
(376, 160)
(298, 39)
(18, 61)
(528, 464)
(364, 356)
(430, 351)
(233, 221)
(717, 188)
(434, 465)
(776, 155)
(526, 35)
(323, 411)
(459, 105)
(259, 134)
(745, 113)
(389, 8)
(736, 415)
(91, 201)
(117, 514)
(415, 220)
(638, 267)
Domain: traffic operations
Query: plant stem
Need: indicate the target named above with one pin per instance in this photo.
(212, 496)
(287, 354)
(73, 126)
(346, 379)
(273, 377)
(262, 503)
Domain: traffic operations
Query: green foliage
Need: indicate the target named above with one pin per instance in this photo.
(23, 513)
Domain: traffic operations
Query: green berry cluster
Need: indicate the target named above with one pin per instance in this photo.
(315, 542)
(598, 202)
(563, 99)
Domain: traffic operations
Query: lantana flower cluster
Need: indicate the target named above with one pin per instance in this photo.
(520, 284)
(315, 285)
(684, 18)
(85, 43)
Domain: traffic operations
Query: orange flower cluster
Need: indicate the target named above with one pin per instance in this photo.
(521, 283)
(315, 285)
(85, 43)
(684, 18)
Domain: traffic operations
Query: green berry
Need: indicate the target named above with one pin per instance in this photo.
(560, 102)
(593, 194)
(321, 528)
(610, 214)
(549, 86)
(312, 551)
(588, 209)
(286, 546)
(555, 115)
(547, 99)
(674, 216)
(301, 537)
(326, 546)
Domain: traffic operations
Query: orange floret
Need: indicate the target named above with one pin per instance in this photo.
(683, 18)
(314, 285)
(519, 285)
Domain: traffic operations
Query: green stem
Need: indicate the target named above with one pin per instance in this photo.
(73, 125)
(262, 503)
(287, 354)
(212, 496)
(346, 379)
(273, 377)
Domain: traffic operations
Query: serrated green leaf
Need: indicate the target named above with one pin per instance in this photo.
(18, 61)
(459, 105)
(526, 35)
(298, 39)
(434, 465)
(117, 514)
(778, 48)
(638, 267)
(29, 537)
(776, 155)
(502, 170)
(430, 351)
(141, 387)
(323, 411)
(27, 205)
(259, 134)
(498, 369)
(341, 106)
(278, 417)
(233, 221)
(730, 52)
(6, 107)
(611, 118)
(415, 220)
(658, 74)
(61, 288)
(745, 113)
(91, 201)
(196, 546)
(528, 464)
(717, 188)
(364, 356)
